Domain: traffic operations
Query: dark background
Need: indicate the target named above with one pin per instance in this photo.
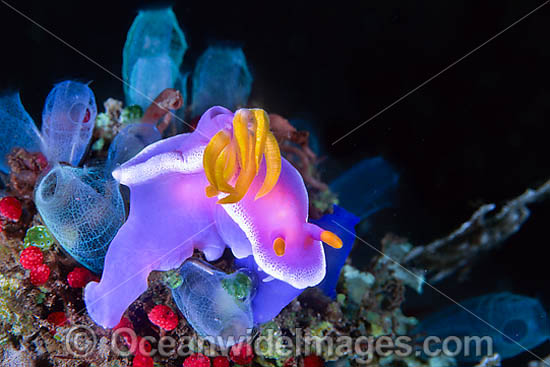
(478, 133)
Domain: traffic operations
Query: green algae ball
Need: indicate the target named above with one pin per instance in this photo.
(172, 279)
(102, 120)
(238, 285)
(38, 236)
(130, 114)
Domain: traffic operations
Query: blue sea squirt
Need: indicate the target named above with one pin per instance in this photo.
(82, 209)
(68, 121)
(17, 129)
(514, 323)
(152, 56)
(214, 303)
(209, 89)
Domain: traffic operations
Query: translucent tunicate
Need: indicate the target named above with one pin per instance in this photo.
(217, 305)
(512, 322)
(129, 142)
(152, 56)
(83, 210)
(367, 187)
(221, 77)
(17, 129)
(150, 76)
(68, 121)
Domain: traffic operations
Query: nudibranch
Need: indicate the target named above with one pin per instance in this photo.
(223, 185)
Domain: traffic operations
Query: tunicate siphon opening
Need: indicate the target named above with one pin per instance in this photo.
(49, 186)
(514, 329)
(77, 112)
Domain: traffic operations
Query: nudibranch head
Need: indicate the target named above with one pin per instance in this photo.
(283, 243)
(232, 158)
(266, 198)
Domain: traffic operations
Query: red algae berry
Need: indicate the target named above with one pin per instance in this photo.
(313, 361)
(10, 208)
(220, 361)
(142, 361)
(79, 277)
(31, 257)
(40, 274)
(57, 318)
(241, 353)
(163, 317)
(197, 360)
(143, 346)
(291, 362)
(125, 323)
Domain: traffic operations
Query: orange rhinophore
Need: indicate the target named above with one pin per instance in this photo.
(331, 239)
(279, 246)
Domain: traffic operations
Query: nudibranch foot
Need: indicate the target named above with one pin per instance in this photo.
(168, 220)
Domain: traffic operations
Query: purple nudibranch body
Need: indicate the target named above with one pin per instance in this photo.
(171, 215)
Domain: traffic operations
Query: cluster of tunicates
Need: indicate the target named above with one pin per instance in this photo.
(81, 207)
(153, 58)
(67, 124)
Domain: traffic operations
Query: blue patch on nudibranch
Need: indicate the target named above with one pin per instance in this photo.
(342, 223)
